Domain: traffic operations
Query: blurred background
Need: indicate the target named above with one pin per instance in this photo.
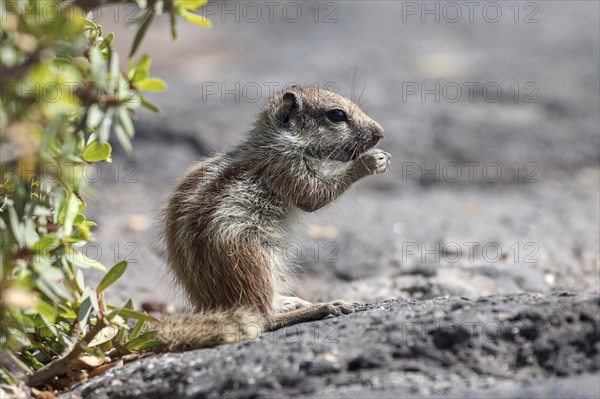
(491, 112)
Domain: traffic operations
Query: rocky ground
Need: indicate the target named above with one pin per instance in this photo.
(485, 196)
(514, 346)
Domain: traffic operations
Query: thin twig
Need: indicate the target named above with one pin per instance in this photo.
(63, 364)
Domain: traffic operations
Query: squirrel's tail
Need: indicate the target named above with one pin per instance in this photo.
(208, 329)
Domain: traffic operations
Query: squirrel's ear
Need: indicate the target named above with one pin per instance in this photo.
(291, 103)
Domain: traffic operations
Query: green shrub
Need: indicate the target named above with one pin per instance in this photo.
(63, 96)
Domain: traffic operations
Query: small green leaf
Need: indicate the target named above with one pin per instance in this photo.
(70, 211)
(144, 63)
(34, 362)
(192, 5)
(15, 226)
(141, 3)
(113, 275)
(89, 23)
(139, 75)
(55, 281)
(43, 286)
(94, 117)
(132, 314)
(95, 152)
(79, 280)
(62, 61)
(173, 24)
(95, 304)
(67, 313)
(85, 308)
(126, 121)
(152, 84)
(135, 331)
(46, 243)
(107, 41)
(104, 128)
(144, 341)
(79, 219)
(96, 65)
(141, 70)
(123, 139)
(196, 19)
(141, 32)
(84, 262)
(114, 67)
(46, 310)
(150, 107)
(105, 335)
(129, 304)
(31, 236)
(114, 313)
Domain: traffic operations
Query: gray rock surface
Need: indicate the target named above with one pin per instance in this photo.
(514, 346)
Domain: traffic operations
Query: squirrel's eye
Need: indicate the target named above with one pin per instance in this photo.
(336, 115)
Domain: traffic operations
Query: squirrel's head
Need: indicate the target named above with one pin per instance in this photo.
(327, 125)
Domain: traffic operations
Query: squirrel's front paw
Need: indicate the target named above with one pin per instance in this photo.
(374, 161)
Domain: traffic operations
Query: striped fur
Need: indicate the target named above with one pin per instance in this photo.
(225, 221)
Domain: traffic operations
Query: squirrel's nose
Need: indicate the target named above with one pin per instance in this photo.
(377, 131)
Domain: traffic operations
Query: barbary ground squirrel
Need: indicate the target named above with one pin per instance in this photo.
(225, 221)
